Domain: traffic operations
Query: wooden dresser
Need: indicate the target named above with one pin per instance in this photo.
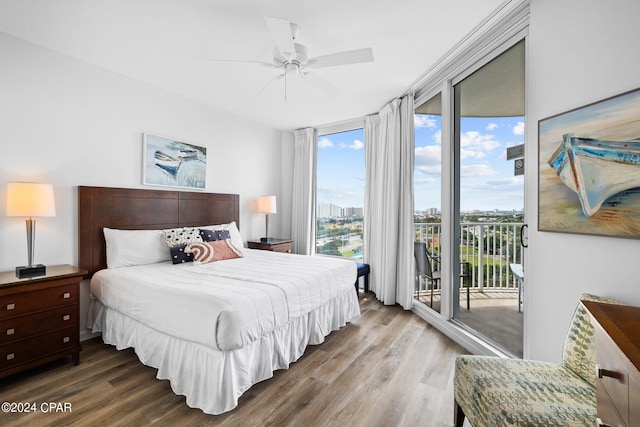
(618, 363)
(39, 318)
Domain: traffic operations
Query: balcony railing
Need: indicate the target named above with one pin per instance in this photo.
(488, 247)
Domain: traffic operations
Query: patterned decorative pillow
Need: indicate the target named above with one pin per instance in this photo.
(213, 235)
(177, 239)
(217, 250)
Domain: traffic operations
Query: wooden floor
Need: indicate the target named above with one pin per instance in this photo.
(387, 368)
(493, 315)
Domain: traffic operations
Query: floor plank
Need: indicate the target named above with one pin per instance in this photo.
(386, 368)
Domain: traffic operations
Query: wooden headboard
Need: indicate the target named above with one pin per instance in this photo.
(140, 209)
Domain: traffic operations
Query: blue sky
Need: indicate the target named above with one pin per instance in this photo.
(340, 172)
(487, 180)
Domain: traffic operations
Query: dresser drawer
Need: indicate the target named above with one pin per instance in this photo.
(613, 376)
(34, 348)
(606, 409)
(18, 328)
(29, 302)
(282, 247)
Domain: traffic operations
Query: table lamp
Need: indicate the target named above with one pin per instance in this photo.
(267, 205)
(30, 200)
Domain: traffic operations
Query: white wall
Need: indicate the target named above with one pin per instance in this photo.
(69, 123)
(579, 52)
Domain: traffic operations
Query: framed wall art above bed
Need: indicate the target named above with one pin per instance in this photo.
(173, 163)
(589, 171)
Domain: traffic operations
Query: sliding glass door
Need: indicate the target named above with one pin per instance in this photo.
(469, 199)
(489, 124)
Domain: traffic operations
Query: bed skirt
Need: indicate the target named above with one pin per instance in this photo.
(213, 380)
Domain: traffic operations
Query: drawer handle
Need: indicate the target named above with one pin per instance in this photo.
(65, 339)
(11, 356)
(66, 317)
(11, 331)
(601, 372)
(11, 306)
(66, 295)
(599, 423)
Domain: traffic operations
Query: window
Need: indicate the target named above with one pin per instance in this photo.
(340, 178)
(427, 184)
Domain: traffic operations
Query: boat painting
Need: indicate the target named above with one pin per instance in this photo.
(596, 169)
(589, 169)
(167, 162)
(173, 163)
(187, 154)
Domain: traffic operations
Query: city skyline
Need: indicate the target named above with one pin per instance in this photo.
(487, 178)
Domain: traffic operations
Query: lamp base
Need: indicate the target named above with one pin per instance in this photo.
(25, 272)
(266, 240)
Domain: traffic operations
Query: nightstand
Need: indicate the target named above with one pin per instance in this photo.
(277, 245)
(39, 318)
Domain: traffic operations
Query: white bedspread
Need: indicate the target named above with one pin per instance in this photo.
(225, 305)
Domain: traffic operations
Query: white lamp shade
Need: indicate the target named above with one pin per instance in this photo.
(267, 204)
(30, 199)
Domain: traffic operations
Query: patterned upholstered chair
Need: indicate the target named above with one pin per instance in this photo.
(496, 392)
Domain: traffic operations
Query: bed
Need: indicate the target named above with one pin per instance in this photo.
(212, 329)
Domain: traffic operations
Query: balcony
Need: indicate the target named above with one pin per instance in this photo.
(488, 248)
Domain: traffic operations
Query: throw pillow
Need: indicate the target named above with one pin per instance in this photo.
(217, 250)
(177, 239)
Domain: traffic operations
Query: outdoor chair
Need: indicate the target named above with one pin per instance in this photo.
(424, 269)
(498, 392)
(431, 275)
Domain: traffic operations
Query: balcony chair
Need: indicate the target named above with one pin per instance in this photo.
(498, 392)
(425, 270)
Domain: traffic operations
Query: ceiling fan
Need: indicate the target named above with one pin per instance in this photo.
(292, 58)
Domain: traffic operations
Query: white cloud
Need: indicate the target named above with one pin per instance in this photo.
(324, 143)
(428, 159)
(424, 121)
(478, 169)
(340, 196)
(519, 129)
(437, 137)
(357, 144)
(475, 145)
(500, 184)
(491, 126)
(471, 154)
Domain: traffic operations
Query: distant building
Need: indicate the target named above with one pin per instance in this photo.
(328, 210)
(347, 212)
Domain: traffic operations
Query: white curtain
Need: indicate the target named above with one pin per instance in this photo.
(303, 232)
(389, 154)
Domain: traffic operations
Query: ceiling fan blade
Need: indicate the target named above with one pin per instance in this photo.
(278, 77)
(342, 58)
(240, 61)
(321, 84)
(281, 31)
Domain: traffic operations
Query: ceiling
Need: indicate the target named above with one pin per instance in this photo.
(169, 44)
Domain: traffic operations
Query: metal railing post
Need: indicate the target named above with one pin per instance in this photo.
(481, 259)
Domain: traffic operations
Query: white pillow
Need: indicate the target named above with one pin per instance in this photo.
(234, 233)
(135, 247)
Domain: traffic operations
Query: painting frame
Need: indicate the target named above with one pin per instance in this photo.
(589, 169)
(170, 162)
